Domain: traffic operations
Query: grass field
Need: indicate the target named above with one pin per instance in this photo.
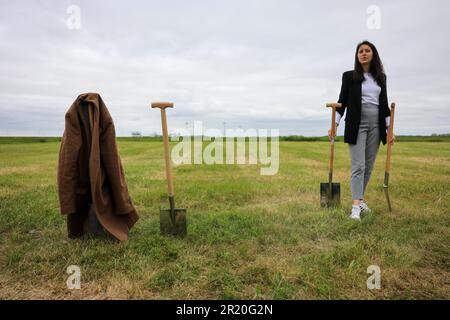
(249, 236)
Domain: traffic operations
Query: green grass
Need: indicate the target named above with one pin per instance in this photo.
(249, 236)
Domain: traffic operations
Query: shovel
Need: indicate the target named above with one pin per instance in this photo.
(330, 193)
(171, 221)
(388, 157)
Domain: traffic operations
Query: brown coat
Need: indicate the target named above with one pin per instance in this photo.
(90, 170)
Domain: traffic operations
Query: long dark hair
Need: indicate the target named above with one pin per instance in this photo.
(376, 66)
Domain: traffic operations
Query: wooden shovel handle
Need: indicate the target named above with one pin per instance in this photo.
(163, 106)
(333, 106)
(389, 137)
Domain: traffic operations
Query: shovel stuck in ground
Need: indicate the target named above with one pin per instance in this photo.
(330, 193)
(388, 157)
(171, 221)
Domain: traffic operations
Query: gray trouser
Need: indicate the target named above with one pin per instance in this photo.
(364, 152)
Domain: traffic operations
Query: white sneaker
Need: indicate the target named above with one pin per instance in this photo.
(356, 213)
(363, 206)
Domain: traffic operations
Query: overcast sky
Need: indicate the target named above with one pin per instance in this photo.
(251, 64)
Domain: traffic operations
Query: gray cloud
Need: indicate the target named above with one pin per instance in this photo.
(255, 64)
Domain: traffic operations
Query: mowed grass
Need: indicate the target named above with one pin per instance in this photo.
(249, 236)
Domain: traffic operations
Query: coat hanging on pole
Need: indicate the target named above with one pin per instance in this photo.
(91, 180)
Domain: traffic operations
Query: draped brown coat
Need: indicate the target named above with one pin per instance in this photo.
(90, 170)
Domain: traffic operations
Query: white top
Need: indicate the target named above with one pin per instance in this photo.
(370, 90)
(370, 93)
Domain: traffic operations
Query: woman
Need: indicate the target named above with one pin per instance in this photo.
(364, 96)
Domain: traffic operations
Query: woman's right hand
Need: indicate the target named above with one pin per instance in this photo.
(330, 136)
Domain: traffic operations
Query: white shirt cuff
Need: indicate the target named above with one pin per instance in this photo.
(338, 118)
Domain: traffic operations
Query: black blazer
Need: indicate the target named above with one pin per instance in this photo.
(350, 97)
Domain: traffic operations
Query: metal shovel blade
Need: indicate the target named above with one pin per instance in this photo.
(386, 190)
(330, 198)
(175, 226)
